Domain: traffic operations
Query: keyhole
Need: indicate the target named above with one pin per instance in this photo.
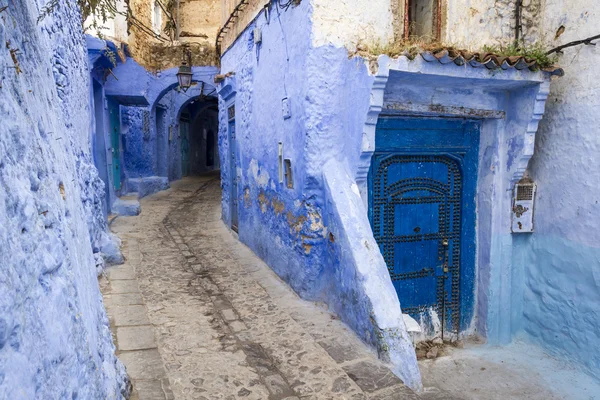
(417, 229)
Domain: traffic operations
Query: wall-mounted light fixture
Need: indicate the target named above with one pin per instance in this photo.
(184, 75)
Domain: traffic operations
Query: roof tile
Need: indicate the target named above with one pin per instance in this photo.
(486, 60)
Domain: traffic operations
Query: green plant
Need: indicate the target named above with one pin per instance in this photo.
(533, 51)
(411, 48)
(110, 55)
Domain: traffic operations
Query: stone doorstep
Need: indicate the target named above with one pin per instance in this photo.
(277, 386)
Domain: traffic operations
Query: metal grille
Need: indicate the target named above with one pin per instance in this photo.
(231, 113)
(388, 191)
(524, 192)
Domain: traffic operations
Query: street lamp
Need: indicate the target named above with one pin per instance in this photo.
(184, 75)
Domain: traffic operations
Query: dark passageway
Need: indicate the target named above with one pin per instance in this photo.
(198, 127)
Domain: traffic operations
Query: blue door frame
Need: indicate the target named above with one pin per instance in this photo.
(422, 187)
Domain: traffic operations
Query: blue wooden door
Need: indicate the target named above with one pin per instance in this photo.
(115, 124)
(422, 211)
(233, 199)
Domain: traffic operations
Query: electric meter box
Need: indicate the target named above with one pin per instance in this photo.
(523, 205)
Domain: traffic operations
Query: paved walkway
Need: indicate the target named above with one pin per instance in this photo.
(196, 315)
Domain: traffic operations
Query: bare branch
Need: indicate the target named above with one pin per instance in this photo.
(587, 41)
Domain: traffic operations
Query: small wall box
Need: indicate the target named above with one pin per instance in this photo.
(257, 36)
(523, 205)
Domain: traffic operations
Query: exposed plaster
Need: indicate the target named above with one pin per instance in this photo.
(348, 23)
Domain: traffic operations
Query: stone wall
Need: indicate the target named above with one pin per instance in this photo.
(243, 19)
(200, 20)
(140, 43)
(350, 23)
(54, 336)
(472, 24)
(198, 25)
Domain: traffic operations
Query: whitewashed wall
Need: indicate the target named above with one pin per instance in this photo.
(561, 260)
(350, 22)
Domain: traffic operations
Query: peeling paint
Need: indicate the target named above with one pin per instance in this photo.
(263, 201)
(278, 206)
(247, 199)
(261, 177)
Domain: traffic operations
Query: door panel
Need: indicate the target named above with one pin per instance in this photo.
(233, 169)
(417, 196)
(115, 143)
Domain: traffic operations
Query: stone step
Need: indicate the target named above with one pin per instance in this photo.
(126, 206)
(148, 185)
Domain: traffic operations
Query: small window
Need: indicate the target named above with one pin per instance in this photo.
(156, 18)
(423, 20)
(231, 113)
(289, 180)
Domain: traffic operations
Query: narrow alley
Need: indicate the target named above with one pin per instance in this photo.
(226, 327)
(196, 315)
(299, 200)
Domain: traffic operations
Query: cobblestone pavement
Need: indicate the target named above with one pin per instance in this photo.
(196, 315)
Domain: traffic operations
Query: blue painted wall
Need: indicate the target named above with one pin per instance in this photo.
(150, 109)
(55, 340)
(330, 97)
(560, 262)
(139, 143)
(294, 229)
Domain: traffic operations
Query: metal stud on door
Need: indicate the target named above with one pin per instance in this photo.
(422, 186)
(416, 221)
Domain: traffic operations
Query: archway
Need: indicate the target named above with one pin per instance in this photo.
(178, 152)
(198, 128)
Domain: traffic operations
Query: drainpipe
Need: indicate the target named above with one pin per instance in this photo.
(518, 7)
